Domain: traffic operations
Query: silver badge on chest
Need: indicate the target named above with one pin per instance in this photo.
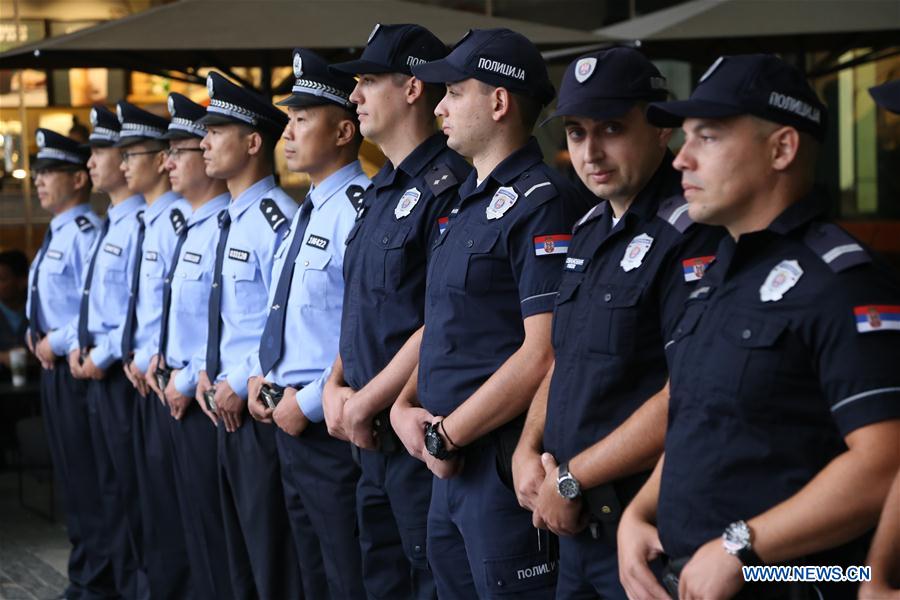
(407, 202)
(782, 278)
(503, 200)
(635, 252)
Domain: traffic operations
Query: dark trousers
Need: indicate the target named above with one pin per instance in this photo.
(164, 552)
(481, 543)
(588, 568)
(392, 500)
(111, 411)
(261, 552)
(319, 478)
(65, 412)
(197, 489)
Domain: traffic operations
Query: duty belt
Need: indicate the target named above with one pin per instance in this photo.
(272, 393)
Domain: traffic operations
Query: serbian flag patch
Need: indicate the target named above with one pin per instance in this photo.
(877, 317)
(551, 244)
(694, 268)
(442, 225)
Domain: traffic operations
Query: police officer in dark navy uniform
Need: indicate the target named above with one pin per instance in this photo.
(631, 263)
(95, 353)
(784, 412)
(492, 281)
(143, 142)
(400, 216)
(242, 130)
(54, 295)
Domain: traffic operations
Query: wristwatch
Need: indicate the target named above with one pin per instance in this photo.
(566, 484)
(736, 539)
(434, 443)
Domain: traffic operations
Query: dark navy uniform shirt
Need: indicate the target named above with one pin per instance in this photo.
(498, 262)
(622, 287)
(789, 344)
(387, 249)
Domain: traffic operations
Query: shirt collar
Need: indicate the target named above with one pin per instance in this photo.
(249, 196)
(504, 173)
(664, 183)
(799, 213)
(210, 208)
(129, 206)
(159, 205)
(417, 161)
(334, 183)
(69, 215)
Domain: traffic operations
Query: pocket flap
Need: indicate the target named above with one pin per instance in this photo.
(754, 331)
(393, 237)
(620, 296)
(480, 241)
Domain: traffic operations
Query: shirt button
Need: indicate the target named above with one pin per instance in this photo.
(385, 240)
(499, 583)
(745, 334)
(417, 549)
(305, 263)
(607, 297)
(470, 243)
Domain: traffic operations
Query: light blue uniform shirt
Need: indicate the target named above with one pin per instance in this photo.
(62, 273)
(312, 324)
(160, 238)
(247, 277)
(111, 282)
(191, 284)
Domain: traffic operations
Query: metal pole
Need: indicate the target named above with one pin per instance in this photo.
(26, 159)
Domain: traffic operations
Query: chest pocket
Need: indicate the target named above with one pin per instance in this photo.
(390, 257)
(192, 297)
(313, 291)
(152, 269)
(247, 281)
(471, 268)
(747, 355)
(612, 327)
(565, 311)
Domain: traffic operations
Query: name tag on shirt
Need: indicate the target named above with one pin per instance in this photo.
(150, 256)
(576, 264)
(317, 242)
(241, 255)
(112, 249)
(54, 254)
(192, 258)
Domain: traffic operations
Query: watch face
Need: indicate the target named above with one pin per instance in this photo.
(736, 537)
(568, 488)
(433, 441)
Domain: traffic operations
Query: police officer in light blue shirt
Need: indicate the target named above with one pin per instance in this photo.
(301, 334)
(54, 295)
(182, 346)
(163, 553)
(94, 354)
(242, 130)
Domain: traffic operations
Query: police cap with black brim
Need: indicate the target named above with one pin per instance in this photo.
(317, 85)
(56, 151)
(138, 125)
(185, 116)
(231, 104)
(395, 49)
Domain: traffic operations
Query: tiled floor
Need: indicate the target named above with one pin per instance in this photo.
(33, 549)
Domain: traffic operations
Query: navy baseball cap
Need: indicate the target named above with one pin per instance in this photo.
(395, 49)
(762, 85)
(607, 84)
(230, 104)
(497, 57)
(138, 125)
(317, 85)
(185, 116)
(887, 95)
(56, 151)
(104, 127)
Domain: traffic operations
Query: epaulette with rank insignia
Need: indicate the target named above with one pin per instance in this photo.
(177, 219)
(274, 217)
(595, 213)
(836, 247)
(536, 189)
(440, 179)
(356, 195)
(674, 211)
(84, 224)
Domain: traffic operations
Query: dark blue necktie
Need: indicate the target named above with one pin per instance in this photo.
(214, 335)
(272, 341)
(128, 333)
(167, 296)
(84, 336)
(37, 332)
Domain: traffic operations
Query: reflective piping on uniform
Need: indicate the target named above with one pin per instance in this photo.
(539, 296)
(818, 592)
(862, 395)
(669, 343)
(677, 213)
(838, 251)
(536, 186)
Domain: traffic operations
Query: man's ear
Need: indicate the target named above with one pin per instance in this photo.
(784, 145)
(501, 103)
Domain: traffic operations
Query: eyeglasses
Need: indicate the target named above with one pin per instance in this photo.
(126, 156)
(176, 152)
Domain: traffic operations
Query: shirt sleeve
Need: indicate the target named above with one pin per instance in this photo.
(310, 397)
(186, 380)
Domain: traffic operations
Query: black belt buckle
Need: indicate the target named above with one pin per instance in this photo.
(271, 394)
(163, 374)
(210, 397)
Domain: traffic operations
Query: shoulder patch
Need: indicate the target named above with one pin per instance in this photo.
(535, 187)
(178, 221)
(674, 211)
(273, 215)
(837, 248)
(440, 179)
(356, 194)
(595, 213)
(84, 224)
